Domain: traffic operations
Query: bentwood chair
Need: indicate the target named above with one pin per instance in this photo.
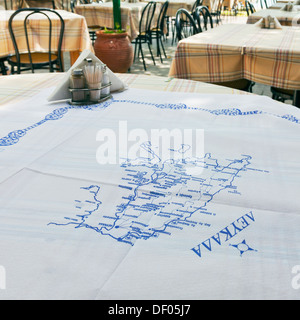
(196, 4)
(216, 13)
(13, 4)
(33, 60)
(202, 16)
(144, 36)
(158, 31)
(41, 4)
(185, 24)
(3, 68)
(249, 8)
(282, 94)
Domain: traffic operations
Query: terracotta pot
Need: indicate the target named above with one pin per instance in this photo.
(115, 50)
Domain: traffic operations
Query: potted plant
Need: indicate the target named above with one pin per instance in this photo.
(113, 47)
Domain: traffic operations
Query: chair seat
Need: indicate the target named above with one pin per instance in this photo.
(282, 94)
(241, 84)
(283, 91)
(37, 57)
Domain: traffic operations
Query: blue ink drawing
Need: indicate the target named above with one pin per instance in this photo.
(158, 197)
(242, 247)
(14, 137)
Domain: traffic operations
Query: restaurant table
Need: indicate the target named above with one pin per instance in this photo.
(286, 18)
(241, 51)
(174, 5)
(213, 217)
(280, 5)
(76, 35)
(101, 14)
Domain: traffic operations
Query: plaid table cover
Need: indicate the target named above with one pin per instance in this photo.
(174, 5)
(286, 18)
(101, 14)
(232, 51)
(16, 88)
(76, 35)
(281, 5)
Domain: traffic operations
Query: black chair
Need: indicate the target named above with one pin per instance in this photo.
(196, 4)
(51, 60)
(185, 24)
(145, 32)
(158, 32)
(3, 67)
(282, 94)
(264, 4)
(13, 4)
(41, 4)
(216, 13)
(203, 16)
(249, 7)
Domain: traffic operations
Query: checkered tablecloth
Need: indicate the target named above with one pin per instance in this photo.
(174, 5)
(76, 35)
(16, 88)
(232, 51)
(286, 18)
(101, 14)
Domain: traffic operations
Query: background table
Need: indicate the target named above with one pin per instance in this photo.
(231, 52)
(101, 14)
(286, 18)
(63, 215)
(280, 5)
(76, 35)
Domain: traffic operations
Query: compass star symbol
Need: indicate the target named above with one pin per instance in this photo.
(242, 247)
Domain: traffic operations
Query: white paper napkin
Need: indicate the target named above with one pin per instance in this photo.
(62, 92)
(261, 23)
(289, 7)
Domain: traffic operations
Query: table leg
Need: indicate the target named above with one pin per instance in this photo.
(296, 101)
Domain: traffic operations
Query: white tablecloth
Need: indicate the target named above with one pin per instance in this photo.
(222, 223)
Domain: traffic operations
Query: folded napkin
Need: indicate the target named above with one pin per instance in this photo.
(62, 92)
(265, 23)
(289, 7)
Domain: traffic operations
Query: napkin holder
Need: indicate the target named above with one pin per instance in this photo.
(86, 93)
(62, 92)
(289, 7)
(269, 23)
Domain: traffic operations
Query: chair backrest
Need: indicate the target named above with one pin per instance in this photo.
(185, 24)
(19, 33)
(264, 4)
(13, 4)
(41, 4)
(202, 13)
(249, 7)
(147, 17)
(196, 4)
(162, 16)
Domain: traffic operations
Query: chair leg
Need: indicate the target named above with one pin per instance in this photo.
(3, 68)
(135, 47)
(149, 46)
(162, 45)
(141, 49)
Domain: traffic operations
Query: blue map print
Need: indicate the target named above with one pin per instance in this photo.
(14, 137)
(158, 197)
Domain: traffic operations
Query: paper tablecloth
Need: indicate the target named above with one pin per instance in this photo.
(220, 224)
